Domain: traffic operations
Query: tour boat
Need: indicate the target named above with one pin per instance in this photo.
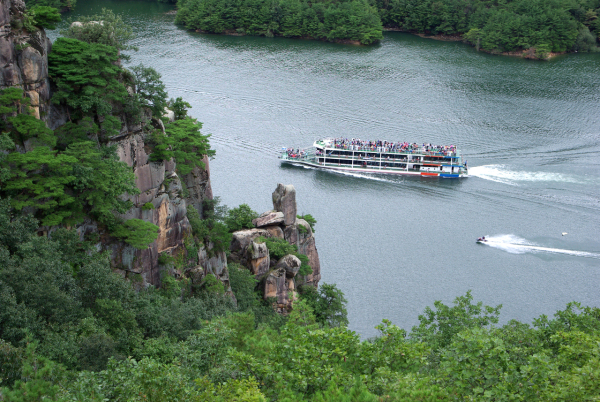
(382, 157)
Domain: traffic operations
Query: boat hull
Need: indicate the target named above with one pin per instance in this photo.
(377, 171)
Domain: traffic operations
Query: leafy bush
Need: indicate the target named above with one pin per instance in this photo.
(184, 142)
(210, 229)
(147, 206)
(137, 233)
(279, 248)
(309, 219)
(11, 360)
(212, 285)
(240, 218)
(62, 5)
(438, 327)
(328, 304)
(105, 28)
(41, 16)
(150, 89)
(179, 107)
(86, 76)
(243, 284)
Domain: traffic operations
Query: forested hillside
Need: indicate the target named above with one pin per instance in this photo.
(348, 20)
(501, 26)
(496, 26)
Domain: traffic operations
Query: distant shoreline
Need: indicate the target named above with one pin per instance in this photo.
(230, 32)
(525, 53)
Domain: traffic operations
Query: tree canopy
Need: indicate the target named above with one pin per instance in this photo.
(343, 20)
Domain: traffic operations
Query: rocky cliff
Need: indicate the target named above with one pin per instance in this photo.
(164, 196)
(24, 57)
(279, 279)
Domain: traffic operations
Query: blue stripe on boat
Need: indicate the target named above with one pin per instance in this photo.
(448, 175)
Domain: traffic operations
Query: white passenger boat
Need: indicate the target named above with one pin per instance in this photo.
(380, 157)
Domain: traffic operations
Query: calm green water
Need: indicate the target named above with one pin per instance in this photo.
(530, 131)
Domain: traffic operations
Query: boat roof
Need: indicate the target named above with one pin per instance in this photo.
(436, 151)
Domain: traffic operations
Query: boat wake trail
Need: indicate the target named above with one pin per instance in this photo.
(363, 176)
(517, 245)
(499, 173)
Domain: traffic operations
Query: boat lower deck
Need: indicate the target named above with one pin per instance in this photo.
(374, 169)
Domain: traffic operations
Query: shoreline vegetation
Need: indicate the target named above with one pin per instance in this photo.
(535, 29)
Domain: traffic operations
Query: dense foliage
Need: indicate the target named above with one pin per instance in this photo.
(86, 76)
(183, 142)
(72, 330)
(106, 28)
(63, 294)
(62, 5)
(40, 16)
(505, 26)
(502, 26)
(354, 20)
(62, 178)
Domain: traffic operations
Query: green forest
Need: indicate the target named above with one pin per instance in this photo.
(495, 26)
(538, 27)
(72, 329)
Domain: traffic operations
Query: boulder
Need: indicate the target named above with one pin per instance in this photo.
(215, 263)
(275, 231)
(258, 257)
(169, 114)
(284, 200)
(196, 274)
(290, 234)
(309, 248)
(32, 65)
(278, 286)
(198, 184)
(275, 286)
(242, 238)
(291, 265)
(268, 218)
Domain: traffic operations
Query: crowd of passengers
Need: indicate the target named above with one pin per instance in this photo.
(295, 153)
(355, 144)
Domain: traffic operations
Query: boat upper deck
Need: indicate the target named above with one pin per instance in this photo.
(441, 151)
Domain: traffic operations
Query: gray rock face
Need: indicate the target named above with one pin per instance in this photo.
(24, 64)
(216, 264)
(275, 231)
(281, 281)
(281, 288)
(243, 238)
(258, 258)
(291, 264)
(198, 185)
(284, 200)
(24, 58)
(268, 218)
(161, 187)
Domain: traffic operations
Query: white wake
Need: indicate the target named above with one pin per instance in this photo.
(501, 174)
(517, 245)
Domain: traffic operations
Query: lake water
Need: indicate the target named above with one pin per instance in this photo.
(530, 131)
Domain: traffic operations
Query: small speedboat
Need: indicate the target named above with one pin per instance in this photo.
(482, 240)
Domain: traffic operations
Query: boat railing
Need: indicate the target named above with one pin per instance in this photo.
(296, 157)
(421, 151)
